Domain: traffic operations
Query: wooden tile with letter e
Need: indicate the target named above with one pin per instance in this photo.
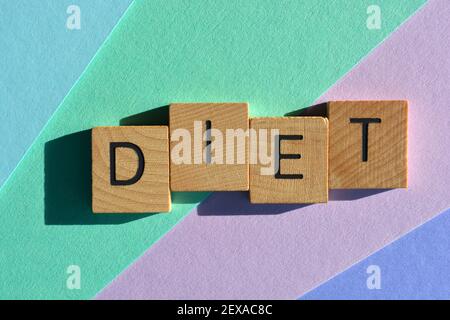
(289, 165)
(130, 169)
(368, 144)
(209, 146)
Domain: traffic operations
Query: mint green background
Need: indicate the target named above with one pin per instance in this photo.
(278, 56)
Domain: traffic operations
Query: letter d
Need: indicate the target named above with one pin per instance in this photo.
(112, 156)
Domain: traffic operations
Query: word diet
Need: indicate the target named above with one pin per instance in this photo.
(217, 147)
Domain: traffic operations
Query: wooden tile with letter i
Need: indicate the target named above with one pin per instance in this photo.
(368, 144)
(209, 147)
(130, 169)
(289, 160)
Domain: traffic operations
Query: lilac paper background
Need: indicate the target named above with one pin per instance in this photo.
(227, 248)
(414, 267)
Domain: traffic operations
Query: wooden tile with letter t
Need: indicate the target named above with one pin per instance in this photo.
(130, 169)
(368, 144)
(289, 160)
(209, 146)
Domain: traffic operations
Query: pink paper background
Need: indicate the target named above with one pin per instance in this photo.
(227, 248)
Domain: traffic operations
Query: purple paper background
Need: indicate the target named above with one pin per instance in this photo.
(227, 248)
(414, 267)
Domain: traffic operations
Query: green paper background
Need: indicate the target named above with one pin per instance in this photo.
(278, 56)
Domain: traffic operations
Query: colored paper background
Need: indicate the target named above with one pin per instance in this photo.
(231, 249)
(278, 58)
(41, 60)
(414, 267)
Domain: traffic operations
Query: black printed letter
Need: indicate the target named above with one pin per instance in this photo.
(112, 157)
(278, 175)
(365, 133)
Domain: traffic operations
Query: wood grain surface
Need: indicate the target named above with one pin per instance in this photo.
(151, 192)
(200, 175)
(386, 163)
(312, 165)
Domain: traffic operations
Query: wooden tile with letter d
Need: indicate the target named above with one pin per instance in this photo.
(289, 160)
(130, 169)
(368, 144)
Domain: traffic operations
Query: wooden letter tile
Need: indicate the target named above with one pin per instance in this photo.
(368, 144)
(199, 140)
(302, 173)
(130, 169)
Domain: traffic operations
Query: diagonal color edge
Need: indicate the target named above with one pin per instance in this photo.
(49, 80)
(47, 222)
(228, 249)
(413, 267)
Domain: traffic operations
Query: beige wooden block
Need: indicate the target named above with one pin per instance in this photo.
(368, 144)
(196, 161)
(140, 181)
(302, 173)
